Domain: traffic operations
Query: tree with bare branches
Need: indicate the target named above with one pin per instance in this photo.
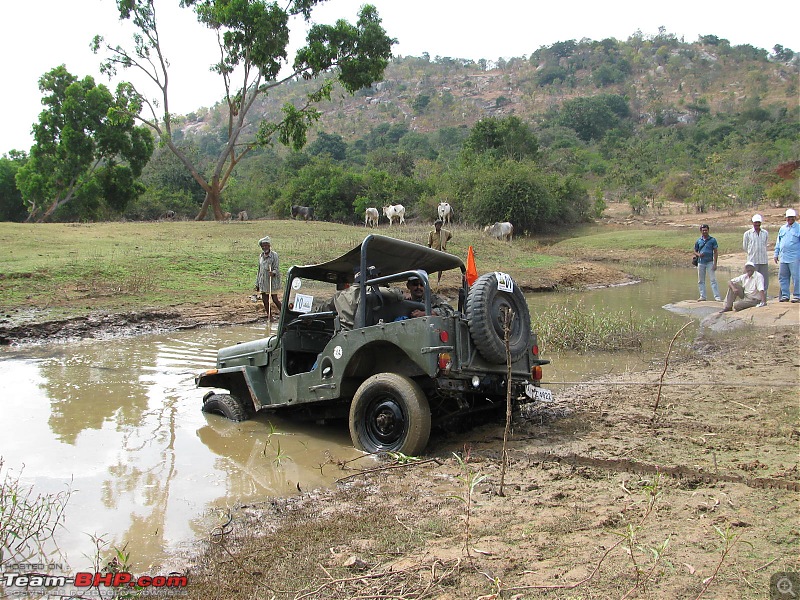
(253, 36)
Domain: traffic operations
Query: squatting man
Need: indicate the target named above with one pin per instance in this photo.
(749, 286)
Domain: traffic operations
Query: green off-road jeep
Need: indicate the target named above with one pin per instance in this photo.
(393, 376)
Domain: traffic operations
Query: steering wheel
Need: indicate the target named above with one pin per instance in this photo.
(311, 317)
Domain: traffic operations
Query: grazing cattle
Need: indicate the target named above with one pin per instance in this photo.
(500, 231)
(395, 211)
(445, 212)
(243, 216)
(371, 217)
(304, 212)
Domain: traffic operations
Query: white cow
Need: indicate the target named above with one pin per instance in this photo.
(445, 212)
(500, 231)
(371, 218)
(395, 211)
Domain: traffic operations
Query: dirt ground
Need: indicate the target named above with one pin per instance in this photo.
(621, 488)
(618, 489)
(678, 215)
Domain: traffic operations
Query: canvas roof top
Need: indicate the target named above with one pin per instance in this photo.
(388, 254)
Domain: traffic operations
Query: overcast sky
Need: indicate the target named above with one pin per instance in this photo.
(41, 34)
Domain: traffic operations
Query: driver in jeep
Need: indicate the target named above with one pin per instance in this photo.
(345, 303)
(416, 290)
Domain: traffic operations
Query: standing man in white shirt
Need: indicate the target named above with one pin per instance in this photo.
(754, 244)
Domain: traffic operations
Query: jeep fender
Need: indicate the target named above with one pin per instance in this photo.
(394, 348)
(246, 383)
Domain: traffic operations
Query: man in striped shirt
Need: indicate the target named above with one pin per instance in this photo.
(754, 244)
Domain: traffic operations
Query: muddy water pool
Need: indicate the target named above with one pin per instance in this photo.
(119, 423)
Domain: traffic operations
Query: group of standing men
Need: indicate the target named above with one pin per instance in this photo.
(750, 288)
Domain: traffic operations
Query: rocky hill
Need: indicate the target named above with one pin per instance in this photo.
(665, 80)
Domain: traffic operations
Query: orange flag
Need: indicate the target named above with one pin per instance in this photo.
(472, 270)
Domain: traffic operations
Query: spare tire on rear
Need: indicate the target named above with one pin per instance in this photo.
(485, 309)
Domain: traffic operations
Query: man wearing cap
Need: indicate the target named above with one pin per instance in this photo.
(754, 243)
(437, 239)
(748, 286)
(268, 280)
(787, 256)
(416, 290)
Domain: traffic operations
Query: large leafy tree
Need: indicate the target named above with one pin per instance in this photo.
(12, 208)
(87, 147)
(512, 191)
(331, 144)
(253, 36)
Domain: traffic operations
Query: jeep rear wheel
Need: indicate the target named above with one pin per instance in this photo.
(226, 405)
(390, 413)
(485, 310)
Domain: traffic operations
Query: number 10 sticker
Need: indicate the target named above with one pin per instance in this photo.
(504, 282)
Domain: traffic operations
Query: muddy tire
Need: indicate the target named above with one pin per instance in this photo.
(484, 310)
(226, 405)
(390, 413)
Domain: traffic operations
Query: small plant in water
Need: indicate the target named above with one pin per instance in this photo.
(113, 560)
(584, 329)
(28, 521)
(280, 455)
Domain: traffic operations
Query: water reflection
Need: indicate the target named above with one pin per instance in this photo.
(121, 420)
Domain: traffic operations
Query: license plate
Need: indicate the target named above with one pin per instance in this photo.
(537, 393)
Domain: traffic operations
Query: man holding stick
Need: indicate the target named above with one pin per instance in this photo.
(268, 280)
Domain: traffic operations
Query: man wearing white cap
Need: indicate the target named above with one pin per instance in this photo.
(787, 256)
(748, 286)
(754, 244)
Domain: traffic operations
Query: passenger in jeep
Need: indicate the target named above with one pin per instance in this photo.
(346, 302)
(416, 290)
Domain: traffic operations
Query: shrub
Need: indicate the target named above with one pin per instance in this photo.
(27, 520)
(582, 329)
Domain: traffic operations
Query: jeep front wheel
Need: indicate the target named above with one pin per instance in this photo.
(390, 413)
(226, 405)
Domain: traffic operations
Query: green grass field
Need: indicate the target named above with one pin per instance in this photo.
(114, 266)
